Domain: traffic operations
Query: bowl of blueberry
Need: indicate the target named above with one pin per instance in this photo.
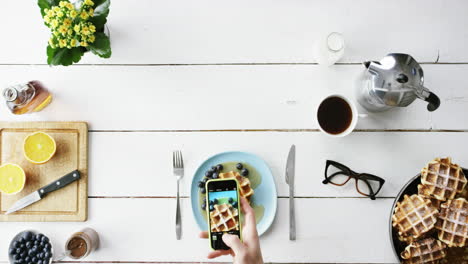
(30, 247)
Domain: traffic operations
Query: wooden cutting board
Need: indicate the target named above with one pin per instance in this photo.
(67, 204)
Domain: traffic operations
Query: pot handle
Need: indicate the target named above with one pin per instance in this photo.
(434, 102)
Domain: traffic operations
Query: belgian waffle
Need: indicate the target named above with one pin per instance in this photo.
(442, 179)
(246, 190)
(424, 251)
(223, 218)
(452, 225)
(414, 216)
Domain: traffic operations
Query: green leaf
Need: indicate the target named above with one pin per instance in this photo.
(101, 10)
(101, 46)
(64, 56)
(43, 4)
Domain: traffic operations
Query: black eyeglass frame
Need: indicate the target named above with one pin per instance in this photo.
(364, 177)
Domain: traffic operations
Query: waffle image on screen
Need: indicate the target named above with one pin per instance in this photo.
(224, 216)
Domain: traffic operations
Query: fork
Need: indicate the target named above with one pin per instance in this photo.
(178, 164)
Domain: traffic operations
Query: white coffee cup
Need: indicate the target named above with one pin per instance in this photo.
(332, 106)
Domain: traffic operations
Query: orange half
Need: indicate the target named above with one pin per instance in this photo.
(39, 147)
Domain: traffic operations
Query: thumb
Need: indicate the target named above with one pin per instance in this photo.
(233, 242)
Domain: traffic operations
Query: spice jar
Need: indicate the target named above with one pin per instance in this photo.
(82, 243)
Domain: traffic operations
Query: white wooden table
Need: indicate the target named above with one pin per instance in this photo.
(210, 76)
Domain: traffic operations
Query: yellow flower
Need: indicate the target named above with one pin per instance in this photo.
(92, 28)
(76, 28)
(84, 43)
(54, 23)
(73, 42)
(89, 2)
(67, 22)
(63, 30)
(91, 39)
(62, 43)
(51, 13)
(51, 41)
(85, 31)
(70, 6)
(47, 19)
(84, 15)
(56, 33)
(91, 12)
(56, 9)
(70, 32)
(73, 13)
(62, 3)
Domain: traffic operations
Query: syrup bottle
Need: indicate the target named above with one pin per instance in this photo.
(27, 98)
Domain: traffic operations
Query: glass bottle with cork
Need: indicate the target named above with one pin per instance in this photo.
(27, 98)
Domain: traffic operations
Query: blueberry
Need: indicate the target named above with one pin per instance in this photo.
(21, 260)
(38, 237)
(239, 166)
(208, 173)
(40, 255)
(22, 240)
(27, 259)
(24, 254)
(211, 202)
(215, 175)
(214, 169)
(219, 167)
(12, 251)
(45, 239)
(244, 172)
(203, 206)
(215, 201)
(204, 181)
(40, 262)
(46, 255)
(234, 204)
(29, 244)
(16, 256)
(36, 242)
(22, 245)
(34, 259)
(203, 190)
(211, 207)
(16, 244)
(28, 235)
(19, 250)
(230, 200)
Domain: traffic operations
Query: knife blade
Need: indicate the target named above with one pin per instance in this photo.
(42, 192)
(290, 172)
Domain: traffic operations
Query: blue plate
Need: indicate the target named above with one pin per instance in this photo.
(265, 192)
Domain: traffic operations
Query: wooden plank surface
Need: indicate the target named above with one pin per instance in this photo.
(225, 97)
(142, 230)
(67, 204)
(209, 31)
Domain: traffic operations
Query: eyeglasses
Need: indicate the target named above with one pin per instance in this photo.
(366, 184)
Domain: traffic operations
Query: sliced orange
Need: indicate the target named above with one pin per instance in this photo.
(39, 147)
(12, 178)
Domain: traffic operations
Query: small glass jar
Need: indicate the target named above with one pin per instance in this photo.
(27, 98)
(82, 243)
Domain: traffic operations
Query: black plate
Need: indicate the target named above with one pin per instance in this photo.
(410, 188)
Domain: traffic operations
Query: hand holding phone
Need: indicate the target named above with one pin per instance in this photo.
(247, 251)
(223, 211)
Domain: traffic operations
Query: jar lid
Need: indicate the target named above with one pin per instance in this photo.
(10, 94)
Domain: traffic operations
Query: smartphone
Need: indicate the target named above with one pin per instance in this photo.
(223, 210)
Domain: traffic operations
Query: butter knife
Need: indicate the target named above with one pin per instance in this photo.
(290, 171)
(42, 192)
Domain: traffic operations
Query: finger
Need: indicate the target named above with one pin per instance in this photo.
(249, 214)
(233, 242)
(203, 234)
(218, 253)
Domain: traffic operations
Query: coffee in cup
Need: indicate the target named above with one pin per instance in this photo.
(337, 116)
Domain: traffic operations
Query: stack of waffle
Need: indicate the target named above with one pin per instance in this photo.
(224, 218)
(245, 190)
(436, 216)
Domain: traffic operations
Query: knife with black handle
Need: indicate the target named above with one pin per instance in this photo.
(42, 192)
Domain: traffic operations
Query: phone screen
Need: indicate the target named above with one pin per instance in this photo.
(223, 205)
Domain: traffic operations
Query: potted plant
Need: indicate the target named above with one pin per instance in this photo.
(76, 28)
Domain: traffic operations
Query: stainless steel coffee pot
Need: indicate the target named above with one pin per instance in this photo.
(396, 80)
